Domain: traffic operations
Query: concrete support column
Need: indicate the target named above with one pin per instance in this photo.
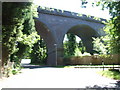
(88, 45)
(54, 56)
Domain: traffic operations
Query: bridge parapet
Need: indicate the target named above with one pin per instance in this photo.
(69, 14)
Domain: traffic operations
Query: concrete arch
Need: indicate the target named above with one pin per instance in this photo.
(85, 32)
(49, 39)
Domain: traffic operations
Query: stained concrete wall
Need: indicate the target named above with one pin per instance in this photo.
(53, 25)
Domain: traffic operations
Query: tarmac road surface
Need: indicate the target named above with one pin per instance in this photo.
(51, 77)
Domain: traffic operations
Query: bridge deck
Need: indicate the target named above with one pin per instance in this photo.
(69, 14)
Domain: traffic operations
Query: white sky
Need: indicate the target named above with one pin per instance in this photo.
(73, 6)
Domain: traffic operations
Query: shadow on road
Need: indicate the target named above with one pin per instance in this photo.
(35, 66)
(116, 87)
(25, 63)
(118, 84)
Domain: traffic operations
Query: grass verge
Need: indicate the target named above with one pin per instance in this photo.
(111, 73)
(72, 66)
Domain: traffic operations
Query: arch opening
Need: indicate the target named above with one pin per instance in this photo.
(73, 47)
(85, 34)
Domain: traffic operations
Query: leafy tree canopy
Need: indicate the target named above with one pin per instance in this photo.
(18, 29)
(113, 25)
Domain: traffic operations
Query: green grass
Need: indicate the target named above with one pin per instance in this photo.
(14, 72)
(111, 73)
(72, 66)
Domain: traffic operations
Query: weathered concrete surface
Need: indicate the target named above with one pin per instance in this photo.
(52, 25)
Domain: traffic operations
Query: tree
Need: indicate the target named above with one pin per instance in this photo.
(18, 29)
(70, 45)
(114, 9)
(39, 52)
(113, 25)
(81, 47)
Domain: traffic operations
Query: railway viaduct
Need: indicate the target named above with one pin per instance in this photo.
(53, 24)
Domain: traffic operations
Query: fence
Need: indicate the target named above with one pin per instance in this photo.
(88, 60)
